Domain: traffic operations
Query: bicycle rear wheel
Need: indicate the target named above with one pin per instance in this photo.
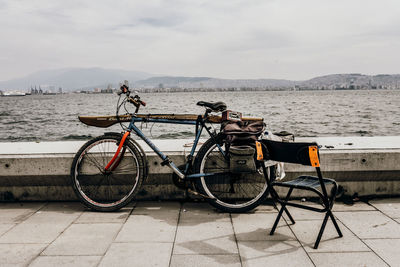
(112, 189)
(227, 191)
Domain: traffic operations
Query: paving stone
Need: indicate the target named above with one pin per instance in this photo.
(391, 206)
(19, 254)
(256, 227)
(64, 261)
(140, 228)
(307, 232)
(364, 259)
(265, 208)
(205, 238)
(357, 206)
(119, 216)
(387, 249)
(151, 222)
(29, 232)
(64, 207)
(44, 225)
(4, 227)
(206, 260)
(160, 210)
(273, 253)
(138, 254)
(142, 206)
(370, 224)
(84, 239)
(197, 213)
(17, 212)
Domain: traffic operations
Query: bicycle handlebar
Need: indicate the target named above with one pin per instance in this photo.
(135, 100)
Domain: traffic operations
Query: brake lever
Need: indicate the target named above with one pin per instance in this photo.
(137, 99)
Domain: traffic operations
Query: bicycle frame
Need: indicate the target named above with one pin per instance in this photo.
(200, 124)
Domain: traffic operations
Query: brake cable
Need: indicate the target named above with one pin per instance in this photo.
(118, 108)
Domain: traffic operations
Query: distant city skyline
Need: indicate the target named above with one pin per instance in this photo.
(295, 40)
(78, 79)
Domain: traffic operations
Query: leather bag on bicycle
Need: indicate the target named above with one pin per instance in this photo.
(240, 142)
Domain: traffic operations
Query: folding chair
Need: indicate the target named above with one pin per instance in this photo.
(305, 154)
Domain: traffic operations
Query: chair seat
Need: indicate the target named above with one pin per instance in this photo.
(304, 182)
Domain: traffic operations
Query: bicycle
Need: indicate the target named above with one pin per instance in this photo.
(107, 171)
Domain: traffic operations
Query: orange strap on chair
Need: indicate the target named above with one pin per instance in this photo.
(260, 155)
(313, 153)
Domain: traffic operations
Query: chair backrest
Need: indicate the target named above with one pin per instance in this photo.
(293, 152)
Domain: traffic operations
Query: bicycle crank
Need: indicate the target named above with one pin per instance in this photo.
(179, 182)
(186, 184)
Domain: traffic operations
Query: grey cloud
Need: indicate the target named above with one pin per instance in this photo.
(162, 22)
(392, 30)
(259, 40)
(53, 15)
(3, 5)
(152, 22)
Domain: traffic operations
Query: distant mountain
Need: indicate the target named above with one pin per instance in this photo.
(353, 81)
(333, 81)
(207, 82)
(89, 78)
(170, 81)
(74, 78)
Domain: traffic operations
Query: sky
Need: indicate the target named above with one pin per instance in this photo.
(281, 39)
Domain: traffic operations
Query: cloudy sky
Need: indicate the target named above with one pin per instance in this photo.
(218, 38)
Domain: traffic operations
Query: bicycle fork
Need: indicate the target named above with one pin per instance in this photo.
(114, 162)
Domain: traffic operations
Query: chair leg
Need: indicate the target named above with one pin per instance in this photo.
(274, 196)
(281, 211)
(321, 231)
(335, 223)
(289, 215)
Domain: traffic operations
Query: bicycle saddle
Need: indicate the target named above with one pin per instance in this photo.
(217, 106)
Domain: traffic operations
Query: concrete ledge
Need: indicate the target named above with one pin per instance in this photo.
(40, 171)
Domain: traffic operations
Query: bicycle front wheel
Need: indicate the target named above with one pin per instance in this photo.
(112, 189)
(227, 191)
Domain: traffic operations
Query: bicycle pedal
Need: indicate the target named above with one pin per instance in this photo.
(199, 194)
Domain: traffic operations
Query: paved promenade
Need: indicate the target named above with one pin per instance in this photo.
(194, 234)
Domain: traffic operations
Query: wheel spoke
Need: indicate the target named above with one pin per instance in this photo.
(97, 188)
(94, 161)
(121, 181)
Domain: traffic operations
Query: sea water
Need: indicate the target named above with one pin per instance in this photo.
(303, 113)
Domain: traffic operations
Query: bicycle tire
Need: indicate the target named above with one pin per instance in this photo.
(226, 191)
(107, 190)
